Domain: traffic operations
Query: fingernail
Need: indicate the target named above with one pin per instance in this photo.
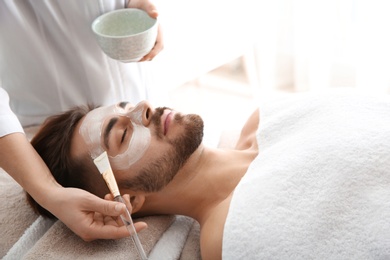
(119, 207)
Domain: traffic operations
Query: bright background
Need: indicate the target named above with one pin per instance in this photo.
(221, 56)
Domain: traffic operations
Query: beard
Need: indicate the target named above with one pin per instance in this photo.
(161, 171)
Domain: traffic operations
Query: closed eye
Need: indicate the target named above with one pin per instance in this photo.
(124, 135)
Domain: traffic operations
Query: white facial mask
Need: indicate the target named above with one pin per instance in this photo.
(92, 127)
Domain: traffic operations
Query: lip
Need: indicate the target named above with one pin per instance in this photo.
(167, 120)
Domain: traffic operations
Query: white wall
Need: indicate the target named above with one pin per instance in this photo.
(200, 36)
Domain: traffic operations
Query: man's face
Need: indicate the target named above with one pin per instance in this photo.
(146, 146)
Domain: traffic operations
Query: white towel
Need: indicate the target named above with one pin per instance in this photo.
(320, 186)
(29, 238)
(171, 243)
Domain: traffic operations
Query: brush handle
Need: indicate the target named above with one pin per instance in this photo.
(128, 221)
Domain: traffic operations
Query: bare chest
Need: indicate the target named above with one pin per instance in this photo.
(212, 231)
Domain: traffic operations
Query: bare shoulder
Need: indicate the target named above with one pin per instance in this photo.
(248, 133)
(212, 231)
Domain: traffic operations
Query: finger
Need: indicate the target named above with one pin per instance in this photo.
(106, 207)
(108, 220)
(107, 232)
(126, 198)
(109, 196)
(153, 13)
(158, 47)
(112, 231)
(139, 226)
(150, 56)
(147, 6)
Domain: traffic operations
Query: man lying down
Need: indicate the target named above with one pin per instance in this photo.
(311, 181)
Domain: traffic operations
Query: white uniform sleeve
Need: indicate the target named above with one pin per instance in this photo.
(9, 123)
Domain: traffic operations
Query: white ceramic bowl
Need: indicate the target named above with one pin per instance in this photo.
(126, 34)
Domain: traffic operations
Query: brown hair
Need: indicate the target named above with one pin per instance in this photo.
(53, 144)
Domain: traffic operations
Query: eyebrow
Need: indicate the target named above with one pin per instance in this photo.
(108, 129)
(123, 104)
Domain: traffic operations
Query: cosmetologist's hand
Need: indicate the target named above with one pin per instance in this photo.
(89, 216)
(151, 9)
(126, 197)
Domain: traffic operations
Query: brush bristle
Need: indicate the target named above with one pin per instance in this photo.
(102, 162)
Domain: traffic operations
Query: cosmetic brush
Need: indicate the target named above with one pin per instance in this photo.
(104, 167)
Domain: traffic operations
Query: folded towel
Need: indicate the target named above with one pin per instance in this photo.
(171, 243)
(320, 186)
(191, 250)
(29, 238)
(15, 213)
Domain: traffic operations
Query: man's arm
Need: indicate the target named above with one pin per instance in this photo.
(81, 211)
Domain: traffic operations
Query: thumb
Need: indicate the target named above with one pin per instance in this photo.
(107, 207)
(153, 14)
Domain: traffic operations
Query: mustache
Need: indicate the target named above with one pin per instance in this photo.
(158, 112)
(156, 120)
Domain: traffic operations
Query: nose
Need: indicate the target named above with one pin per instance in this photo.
(147, 112)
(141, 113)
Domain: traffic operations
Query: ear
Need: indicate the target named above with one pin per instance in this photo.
(137, 201)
